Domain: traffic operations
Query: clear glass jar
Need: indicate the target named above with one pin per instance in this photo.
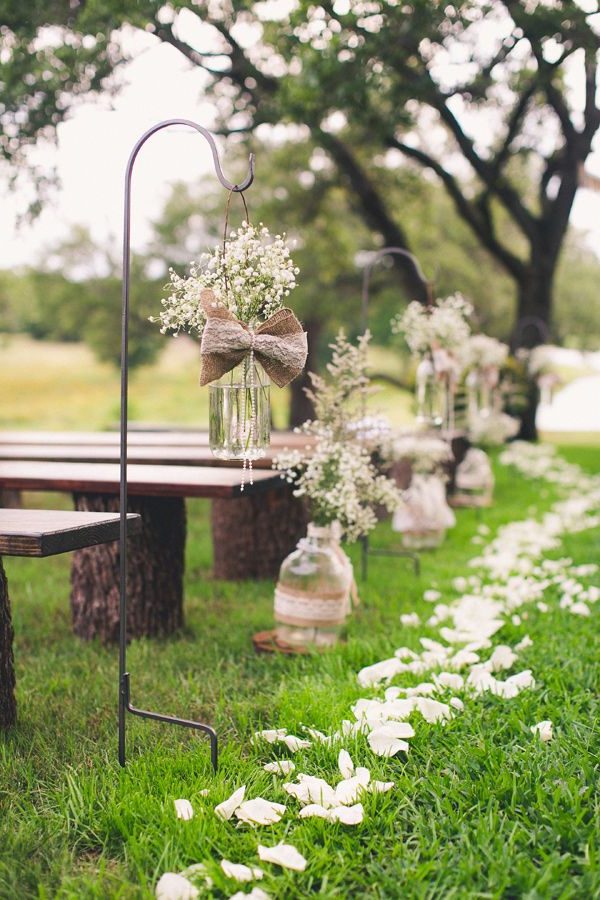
(312, 595)
(480, 385)
(431, 403)
(239, 413)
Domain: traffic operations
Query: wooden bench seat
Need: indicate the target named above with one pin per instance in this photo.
(42, 532)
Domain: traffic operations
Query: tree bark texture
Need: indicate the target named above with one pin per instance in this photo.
(155, 563)
(8, 703)
(301, 407)
(253, 535)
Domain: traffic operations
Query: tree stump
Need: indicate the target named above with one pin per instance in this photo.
(253, 535)
(8, 704)
(155, 572)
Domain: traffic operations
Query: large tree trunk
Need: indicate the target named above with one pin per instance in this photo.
(534, 314)
(301, 407)
(8, 704)
(253, 535)
(155, 572)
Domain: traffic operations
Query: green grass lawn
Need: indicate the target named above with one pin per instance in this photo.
(480, 808)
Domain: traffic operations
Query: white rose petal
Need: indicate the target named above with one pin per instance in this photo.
(580, 609)
(347, 815)
(294, 743)
(502, 658)
(433, 710)
(311, 789)
(543, 729)
(239, 872)
(381, 671)
(524, 643)
(270, 735)
(451, 680)
(255, 894)
(226, 809)
(260, 812)
(431, 596)
(184, 809)
(384, 741)
(457, 703)
(314, 810)
(381, 787)
(175, 887)
(410, 619)
(280, 767)
(284, 855)
(349, 790)
(345, 764)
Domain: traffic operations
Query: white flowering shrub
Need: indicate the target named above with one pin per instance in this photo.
(493, 429)
(484, 352)
(252, 277)
(426, 454)
(338, 476)
(442, 326)
(341, 484)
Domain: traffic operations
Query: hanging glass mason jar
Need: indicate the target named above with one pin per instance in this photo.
(240, 412)
(424, 516)
(431, 404)
(312, 595)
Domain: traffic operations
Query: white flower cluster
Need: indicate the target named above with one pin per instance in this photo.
(251, 276)
(338, 476)
(342, 485)
(539, 360)
(483, 352)
(425, 453)
(443, 325)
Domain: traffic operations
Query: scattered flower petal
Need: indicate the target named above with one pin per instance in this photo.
(347, 815)
(260, 812)
(184, 809)
(284, 855)
(239, 872)
(175, 887)
(280, 767)
(345, 764)
(543, 730)
(226, 809)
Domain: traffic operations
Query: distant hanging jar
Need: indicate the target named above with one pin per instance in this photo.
(240, 412)
(430, 395)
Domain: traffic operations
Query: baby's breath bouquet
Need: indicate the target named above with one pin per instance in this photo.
(252, 274)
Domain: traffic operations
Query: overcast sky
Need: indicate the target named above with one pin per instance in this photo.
(93, 147)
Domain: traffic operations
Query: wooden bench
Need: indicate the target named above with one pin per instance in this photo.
(41, 532)
(156, 554)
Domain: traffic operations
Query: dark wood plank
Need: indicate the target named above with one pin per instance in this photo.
(45, 532)
(279, 439)
(147, 481)
(163, 456)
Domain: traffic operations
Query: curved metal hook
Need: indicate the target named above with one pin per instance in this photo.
(379, 255)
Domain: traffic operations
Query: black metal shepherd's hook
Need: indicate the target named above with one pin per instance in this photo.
(124, 678)
(376, 258)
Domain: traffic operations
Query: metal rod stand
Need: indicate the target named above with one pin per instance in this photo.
(124, 686)
(367, 551)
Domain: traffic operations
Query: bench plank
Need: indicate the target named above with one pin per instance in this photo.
(45, 532)
(279, 439)
(91, 453)
(148, 481)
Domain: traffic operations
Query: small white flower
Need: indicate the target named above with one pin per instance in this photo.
(543, 730)
(184, 809)
(284, 855)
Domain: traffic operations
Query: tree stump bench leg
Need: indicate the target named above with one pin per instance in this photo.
(253, 535)
(155, 572)
(8, 703)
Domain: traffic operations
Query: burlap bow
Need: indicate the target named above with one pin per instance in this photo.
(279, 344)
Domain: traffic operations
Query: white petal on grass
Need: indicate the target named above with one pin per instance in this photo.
(184, 809)
(314, 810)
(503, 657)
(197, 870)
(543, 730)
(204, 792)
(580, 609)
(171, 886)
(432, 596)
(255, 894)
(270, 735)
(381, 671)
(280, 767)
(260, 812)
(240, 872)
(524, 643)
(433, 710)
(456, 703)
(226, 809)
(347, 815)
(384, 741)
(345, 764)
(310, 789)
(451, 680)
(410, 620)
(294, 743)
(284, 855)
(381, 787)
(317, 735)
(349, 790)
